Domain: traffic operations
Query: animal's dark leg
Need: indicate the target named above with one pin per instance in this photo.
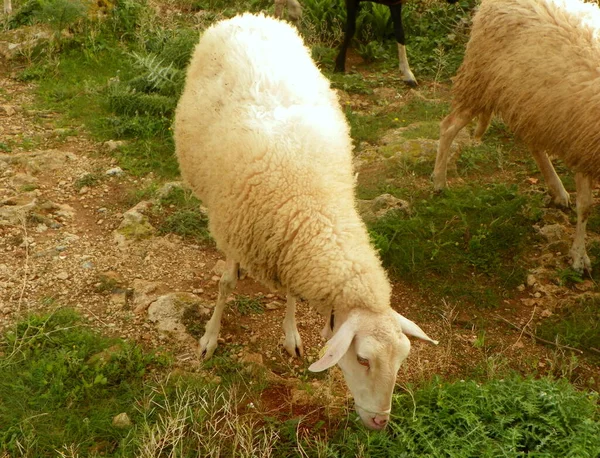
(396, 12)
(351, 11)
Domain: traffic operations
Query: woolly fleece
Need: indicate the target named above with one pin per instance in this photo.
(536, 63)
(262, 141)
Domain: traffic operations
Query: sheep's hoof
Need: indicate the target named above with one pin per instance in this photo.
(581, 263)
(294, 348)
(206, 348)
(411, 83)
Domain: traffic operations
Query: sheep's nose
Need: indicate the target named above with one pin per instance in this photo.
(381, 420)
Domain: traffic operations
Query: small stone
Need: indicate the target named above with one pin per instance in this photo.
(253, 358)
(84, 190)
(274, 305)
(219, 267)
(62, 275)
(114, 172)
(113, 145)
(121, 421)
(531, 280)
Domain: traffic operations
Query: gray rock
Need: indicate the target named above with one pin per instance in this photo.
(114, 172)
(135, 225)
(167, 312)
(113, 145)
(375, 209)
(145, 292)
(167, 188)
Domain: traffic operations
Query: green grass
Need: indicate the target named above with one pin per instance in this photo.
(465, 234)
(247, 305)
(370, 127)
(54, 371)
(179, 213)
(577, 325)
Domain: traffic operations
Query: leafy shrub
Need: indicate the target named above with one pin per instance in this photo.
(514, 417)
(437, 34)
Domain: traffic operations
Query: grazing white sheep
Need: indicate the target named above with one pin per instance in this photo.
(262, 141)
(535, 63)
(294, 10)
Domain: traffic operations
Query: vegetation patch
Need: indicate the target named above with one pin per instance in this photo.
(465, 233)
(577, 325)
(179, 212)
(55, 370)
(512, 417)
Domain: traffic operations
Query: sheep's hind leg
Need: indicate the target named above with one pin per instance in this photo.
(559, 195)
(483, 122)
(581, 261)
(449, 127)
(227, 283)
(292, 342)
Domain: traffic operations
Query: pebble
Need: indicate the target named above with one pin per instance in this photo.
(114, 172)
(62, 275)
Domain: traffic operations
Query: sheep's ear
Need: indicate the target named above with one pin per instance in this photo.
(336, 347)
(412, 329)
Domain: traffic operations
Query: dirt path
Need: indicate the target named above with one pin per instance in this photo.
(60, 246)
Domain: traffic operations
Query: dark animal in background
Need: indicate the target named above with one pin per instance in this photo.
(352, 8)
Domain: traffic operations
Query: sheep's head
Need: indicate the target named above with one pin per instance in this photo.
(369, 348)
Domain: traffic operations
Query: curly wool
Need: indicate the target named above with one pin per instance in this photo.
(536, 63)
(262, 141)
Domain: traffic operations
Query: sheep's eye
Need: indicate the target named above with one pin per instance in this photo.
(363, 361)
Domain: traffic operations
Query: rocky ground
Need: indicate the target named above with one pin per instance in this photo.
(69, 240)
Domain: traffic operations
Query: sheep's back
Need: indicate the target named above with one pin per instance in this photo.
(536, 64)
(264, 144)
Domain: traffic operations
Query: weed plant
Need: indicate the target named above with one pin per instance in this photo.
(179, 213)
(513, 417)
(466, 233)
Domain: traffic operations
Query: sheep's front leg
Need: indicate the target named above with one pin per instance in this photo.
(578, 253)
(292, 342)
(227, 283)
(449, 127)
(559, 195)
